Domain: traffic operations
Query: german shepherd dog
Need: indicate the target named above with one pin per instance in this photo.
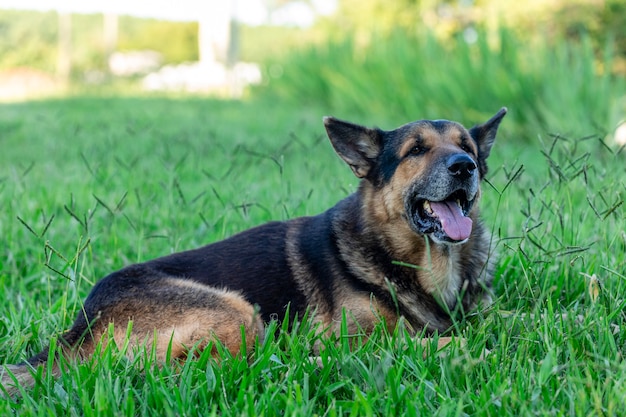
(408, 243)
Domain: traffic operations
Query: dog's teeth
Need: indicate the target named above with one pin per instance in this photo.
(427, 207)
(458, 201)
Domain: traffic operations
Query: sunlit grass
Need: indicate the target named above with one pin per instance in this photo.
(565, 87)
(91, 185)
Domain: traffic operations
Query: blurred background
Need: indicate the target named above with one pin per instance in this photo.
(557, 64)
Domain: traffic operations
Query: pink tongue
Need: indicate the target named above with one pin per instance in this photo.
(454, 223)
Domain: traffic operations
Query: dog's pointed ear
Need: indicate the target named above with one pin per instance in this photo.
(357, 145)
(485, 134)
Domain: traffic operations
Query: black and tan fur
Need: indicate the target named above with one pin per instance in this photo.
(356, 257)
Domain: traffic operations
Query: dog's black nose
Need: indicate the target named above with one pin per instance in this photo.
(461, 166)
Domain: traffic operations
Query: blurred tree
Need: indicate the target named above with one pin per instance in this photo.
(542, 20)
(532, 20)
(28, 39)
(612, 25)
(177, 41)
(363, 17)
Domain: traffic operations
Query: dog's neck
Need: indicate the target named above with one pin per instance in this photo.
(433, 267)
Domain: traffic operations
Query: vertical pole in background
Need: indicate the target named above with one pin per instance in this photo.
(218, 40)
(232, 54)
(64, 57)
(235, 88)
(213, 36)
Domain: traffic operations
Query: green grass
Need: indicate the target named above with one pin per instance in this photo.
(89, 185)
(550, 83)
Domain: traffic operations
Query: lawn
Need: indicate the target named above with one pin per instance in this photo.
(89, 185)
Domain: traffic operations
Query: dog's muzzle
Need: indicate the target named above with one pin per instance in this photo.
(441, 205)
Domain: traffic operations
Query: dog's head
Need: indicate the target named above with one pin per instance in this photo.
(429, 171)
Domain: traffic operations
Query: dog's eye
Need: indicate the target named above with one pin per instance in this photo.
(466, 148)
(417, 150)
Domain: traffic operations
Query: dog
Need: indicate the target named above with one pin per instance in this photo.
(408, 244)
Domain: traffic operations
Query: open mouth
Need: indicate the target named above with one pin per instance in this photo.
(447, 220)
